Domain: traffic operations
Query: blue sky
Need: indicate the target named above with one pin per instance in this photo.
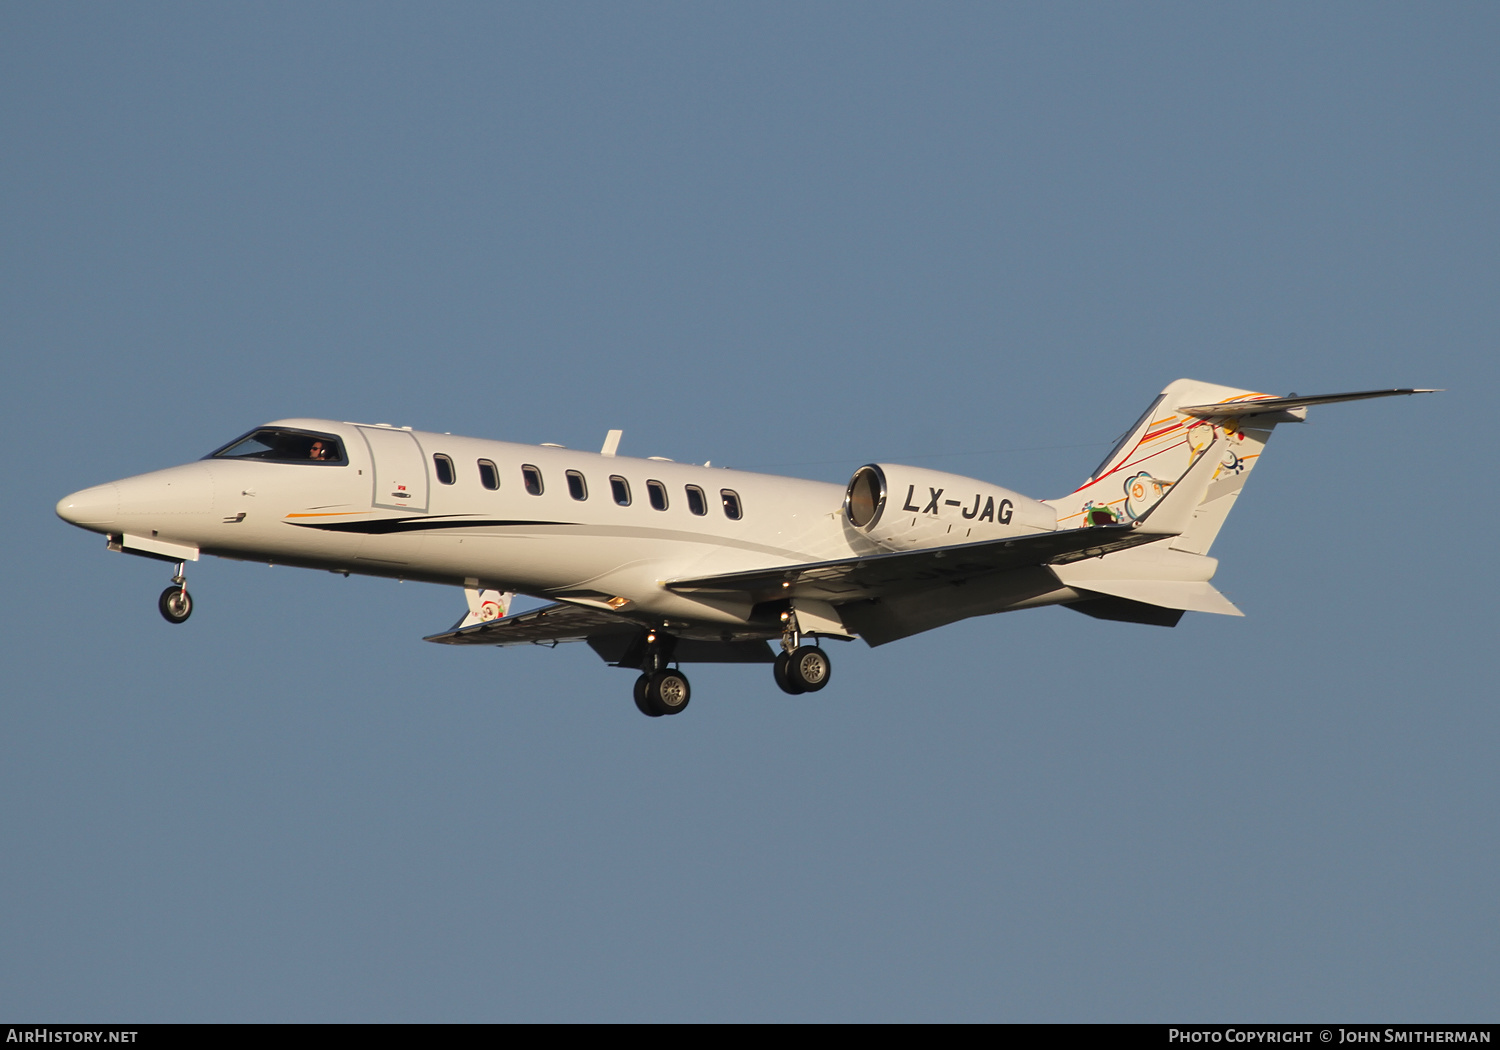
(787, 237)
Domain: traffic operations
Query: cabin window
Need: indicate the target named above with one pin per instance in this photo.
(273, 444)
(444, 468)
(731, 504)
(619, 488)
(658, 495)
(696, 503)
(489, 476)
(577, 487)
(531, 477)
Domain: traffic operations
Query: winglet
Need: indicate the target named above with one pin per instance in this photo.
(484, 605)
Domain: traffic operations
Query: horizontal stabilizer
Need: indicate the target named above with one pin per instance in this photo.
(1284, 404)
(1190, 595)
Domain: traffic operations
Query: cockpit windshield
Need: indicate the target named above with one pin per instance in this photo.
(285, 446)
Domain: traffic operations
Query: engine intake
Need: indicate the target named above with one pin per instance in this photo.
(902, 508)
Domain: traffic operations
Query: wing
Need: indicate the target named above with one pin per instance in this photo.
(548, 625)
(878, 575)
(614, 638)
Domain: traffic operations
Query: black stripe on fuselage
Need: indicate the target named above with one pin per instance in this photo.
(386, 526)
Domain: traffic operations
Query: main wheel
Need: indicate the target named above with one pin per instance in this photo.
(808, 667)
(175, 603)
(667, 692)
(641, 703)
(783, 679)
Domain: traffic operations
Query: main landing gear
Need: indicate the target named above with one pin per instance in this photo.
(175, 603)
(659, 690)
(662, 693)
(799, 668)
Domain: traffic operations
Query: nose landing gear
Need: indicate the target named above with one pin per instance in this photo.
(175, 603)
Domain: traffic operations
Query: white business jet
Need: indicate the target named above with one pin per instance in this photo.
(655, 563)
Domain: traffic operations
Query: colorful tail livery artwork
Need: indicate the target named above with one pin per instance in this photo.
(654, 564)
(1185, 422)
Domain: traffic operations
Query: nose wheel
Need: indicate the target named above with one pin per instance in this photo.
(175, 603)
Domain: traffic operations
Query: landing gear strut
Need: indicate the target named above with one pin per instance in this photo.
(175, 603)
(799, 668)
(660, 691)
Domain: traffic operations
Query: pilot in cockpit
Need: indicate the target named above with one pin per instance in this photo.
(318, 451)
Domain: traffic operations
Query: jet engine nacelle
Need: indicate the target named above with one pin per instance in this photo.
(905, 507)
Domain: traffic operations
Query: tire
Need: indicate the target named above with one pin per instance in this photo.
(668, 692)
(783, 676)
(641, 703)
(809, 667)
(175, 603)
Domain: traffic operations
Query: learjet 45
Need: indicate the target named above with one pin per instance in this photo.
(655, 564)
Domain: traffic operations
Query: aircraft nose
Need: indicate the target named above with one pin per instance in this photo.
(99, 505)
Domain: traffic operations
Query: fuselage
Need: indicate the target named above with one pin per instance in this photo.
(655, 563)
(541, 520)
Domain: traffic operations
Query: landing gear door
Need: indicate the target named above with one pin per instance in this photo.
(400, 470)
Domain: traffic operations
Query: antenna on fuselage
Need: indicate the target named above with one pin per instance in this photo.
(611, 443)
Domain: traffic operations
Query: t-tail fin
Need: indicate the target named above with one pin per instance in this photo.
(1196, 445)
(1189, 419)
